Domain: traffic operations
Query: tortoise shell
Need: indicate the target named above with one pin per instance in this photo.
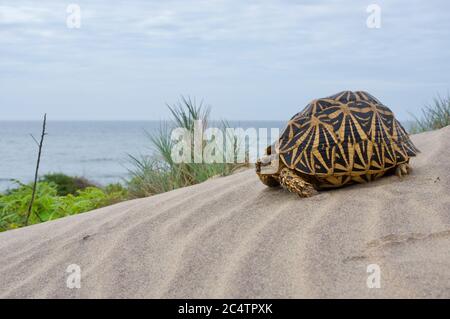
(349, 136)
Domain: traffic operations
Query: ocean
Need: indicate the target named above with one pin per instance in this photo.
(97, 150)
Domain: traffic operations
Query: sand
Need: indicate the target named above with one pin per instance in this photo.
(231, 237)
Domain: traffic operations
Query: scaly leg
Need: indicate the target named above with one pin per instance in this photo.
(295, 184)
(402, 169)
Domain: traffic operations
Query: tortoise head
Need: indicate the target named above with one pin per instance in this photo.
(267, 164)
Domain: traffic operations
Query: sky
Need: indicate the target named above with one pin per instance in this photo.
(248, 60)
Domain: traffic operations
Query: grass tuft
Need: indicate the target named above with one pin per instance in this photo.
(158, 173)
(434, 116)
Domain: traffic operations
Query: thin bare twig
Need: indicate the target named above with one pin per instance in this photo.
(35, 140)
(30, 207)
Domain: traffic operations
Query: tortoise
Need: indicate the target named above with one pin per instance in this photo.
(349, 137)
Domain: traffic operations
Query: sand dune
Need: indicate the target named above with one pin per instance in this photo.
(232, 237)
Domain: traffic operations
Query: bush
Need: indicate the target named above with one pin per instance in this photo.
(49, 205)
(156, 174)
(67, 184)
(434, 116)
(14, 205)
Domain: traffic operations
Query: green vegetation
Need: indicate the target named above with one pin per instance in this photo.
(50, 205)
(434, 116)
(159, 173)
(67, 184)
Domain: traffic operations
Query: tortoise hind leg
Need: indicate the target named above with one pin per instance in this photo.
(402, 169)
(295, 184)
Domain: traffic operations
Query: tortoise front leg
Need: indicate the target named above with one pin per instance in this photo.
(295, 184)
(266, 179)
(402, 169)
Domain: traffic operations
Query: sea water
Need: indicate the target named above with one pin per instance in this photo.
(97, 150)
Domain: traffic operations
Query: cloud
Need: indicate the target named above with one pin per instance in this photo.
(22, 14)
(300, 49)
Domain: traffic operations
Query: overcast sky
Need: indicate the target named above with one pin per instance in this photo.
(250, 60)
